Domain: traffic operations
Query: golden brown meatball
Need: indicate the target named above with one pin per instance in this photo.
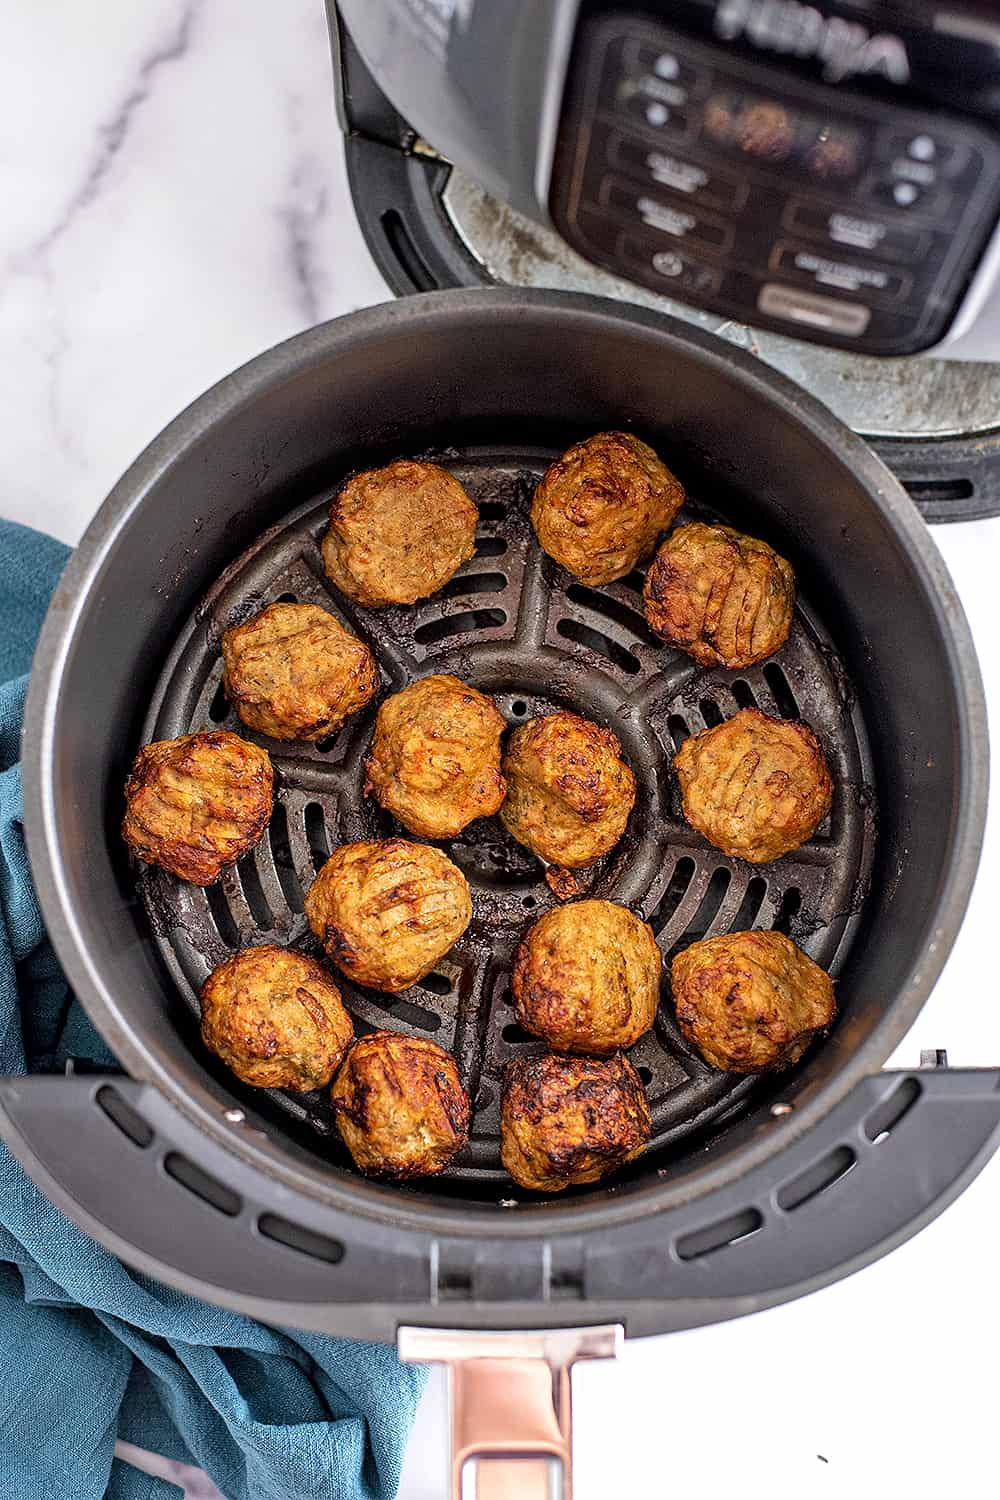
(293, 672)
(569, 793)
(570, 1119)
(587, 978)
(385, 912)
(400, 1106)
(276, 1018)
(195, 805)
(750, 1000)
(724, 598)
(398, 534)
(756, 787)
(600, 508)
(435, 761)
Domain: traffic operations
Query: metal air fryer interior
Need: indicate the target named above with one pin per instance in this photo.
(514, 624)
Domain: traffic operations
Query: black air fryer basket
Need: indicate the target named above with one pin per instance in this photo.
(753, 1190)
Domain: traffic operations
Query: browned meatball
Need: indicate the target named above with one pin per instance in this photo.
(587, 978)
(435, 761)
(724, 598)
(750, 1000)
(400, 1106)
(756, 787)
(569, 793)
(385, 912)
(600, 508)
(276, 1018)
(195, 805)
(398, 534)
(293, 672)
(567, 1120)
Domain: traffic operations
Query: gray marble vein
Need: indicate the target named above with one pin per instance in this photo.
(113, 135)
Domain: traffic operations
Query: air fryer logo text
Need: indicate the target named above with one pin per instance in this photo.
(843, 47)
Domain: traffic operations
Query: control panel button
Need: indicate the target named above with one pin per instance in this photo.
(922, 148)
(880, 282)
(673, 120)
(792, 305)
(704, 184)
(677, 271)
(680, 222)
(854, 231)
(666, 65)
(921, 154)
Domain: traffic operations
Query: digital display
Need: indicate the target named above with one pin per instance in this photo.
(778, 133)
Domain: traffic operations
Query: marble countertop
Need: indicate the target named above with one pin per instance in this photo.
(174, 201)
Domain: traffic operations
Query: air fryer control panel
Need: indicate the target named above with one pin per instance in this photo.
(784, 203)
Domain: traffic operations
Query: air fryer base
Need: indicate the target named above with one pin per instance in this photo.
(428, 229)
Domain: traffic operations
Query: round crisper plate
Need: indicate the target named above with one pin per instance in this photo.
(514, 624)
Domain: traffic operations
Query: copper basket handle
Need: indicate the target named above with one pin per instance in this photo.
(511, 1404)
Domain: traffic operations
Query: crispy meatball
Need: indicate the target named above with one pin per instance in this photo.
(587, 978)
(756, 787)
(569, 793)
(276, 1018)
(195, 805)
(400, 1106)
(385, 912)
(600, 508)
(570, 1119)
(293, 672)
(435, 761)
(750, 1000)
(724, 598)
(398, 534)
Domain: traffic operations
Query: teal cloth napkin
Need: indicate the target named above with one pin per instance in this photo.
(90, 1351)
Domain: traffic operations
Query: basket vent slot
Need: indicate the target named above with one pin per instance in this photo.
(222, 916)
(788, 909)
(474, 583)
(281, 849)
(490, 546)
(319, 844)
(414, 1015)
(461, 624)
(673, 895)
(120, 1113)
(886, 1116)
(218, 709)
(600, 644)
(743, 693)
(296, 1237)
(728, 1231)
(784, 698)
(678, 730)
(604, 604)
(254, 892)
(753, 900)
(816, 1179)
(202, 1184)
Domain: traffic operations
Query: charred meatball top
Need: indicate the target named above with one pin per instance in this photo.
(398, 534)
(599, 509)
(386, 911)
(276, 1018)
(755, 786)
(570, 1120)
(569, 792)
(587, 978)
(293, 672)
(435, 758)
(400, 1106)
(750, 1000)
(197, 804)
(724, 598)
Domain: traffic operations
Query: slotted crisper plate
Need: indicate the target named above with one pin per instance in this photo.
(514, 624)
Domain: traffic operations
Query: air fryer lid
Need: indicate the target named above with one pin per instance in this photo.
(494, 375)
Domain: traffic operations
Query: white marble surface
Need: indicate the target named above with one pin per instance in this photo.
(173, 202)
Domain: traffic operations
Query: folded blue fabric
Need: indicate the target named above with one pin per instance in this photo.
(90, 1351)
